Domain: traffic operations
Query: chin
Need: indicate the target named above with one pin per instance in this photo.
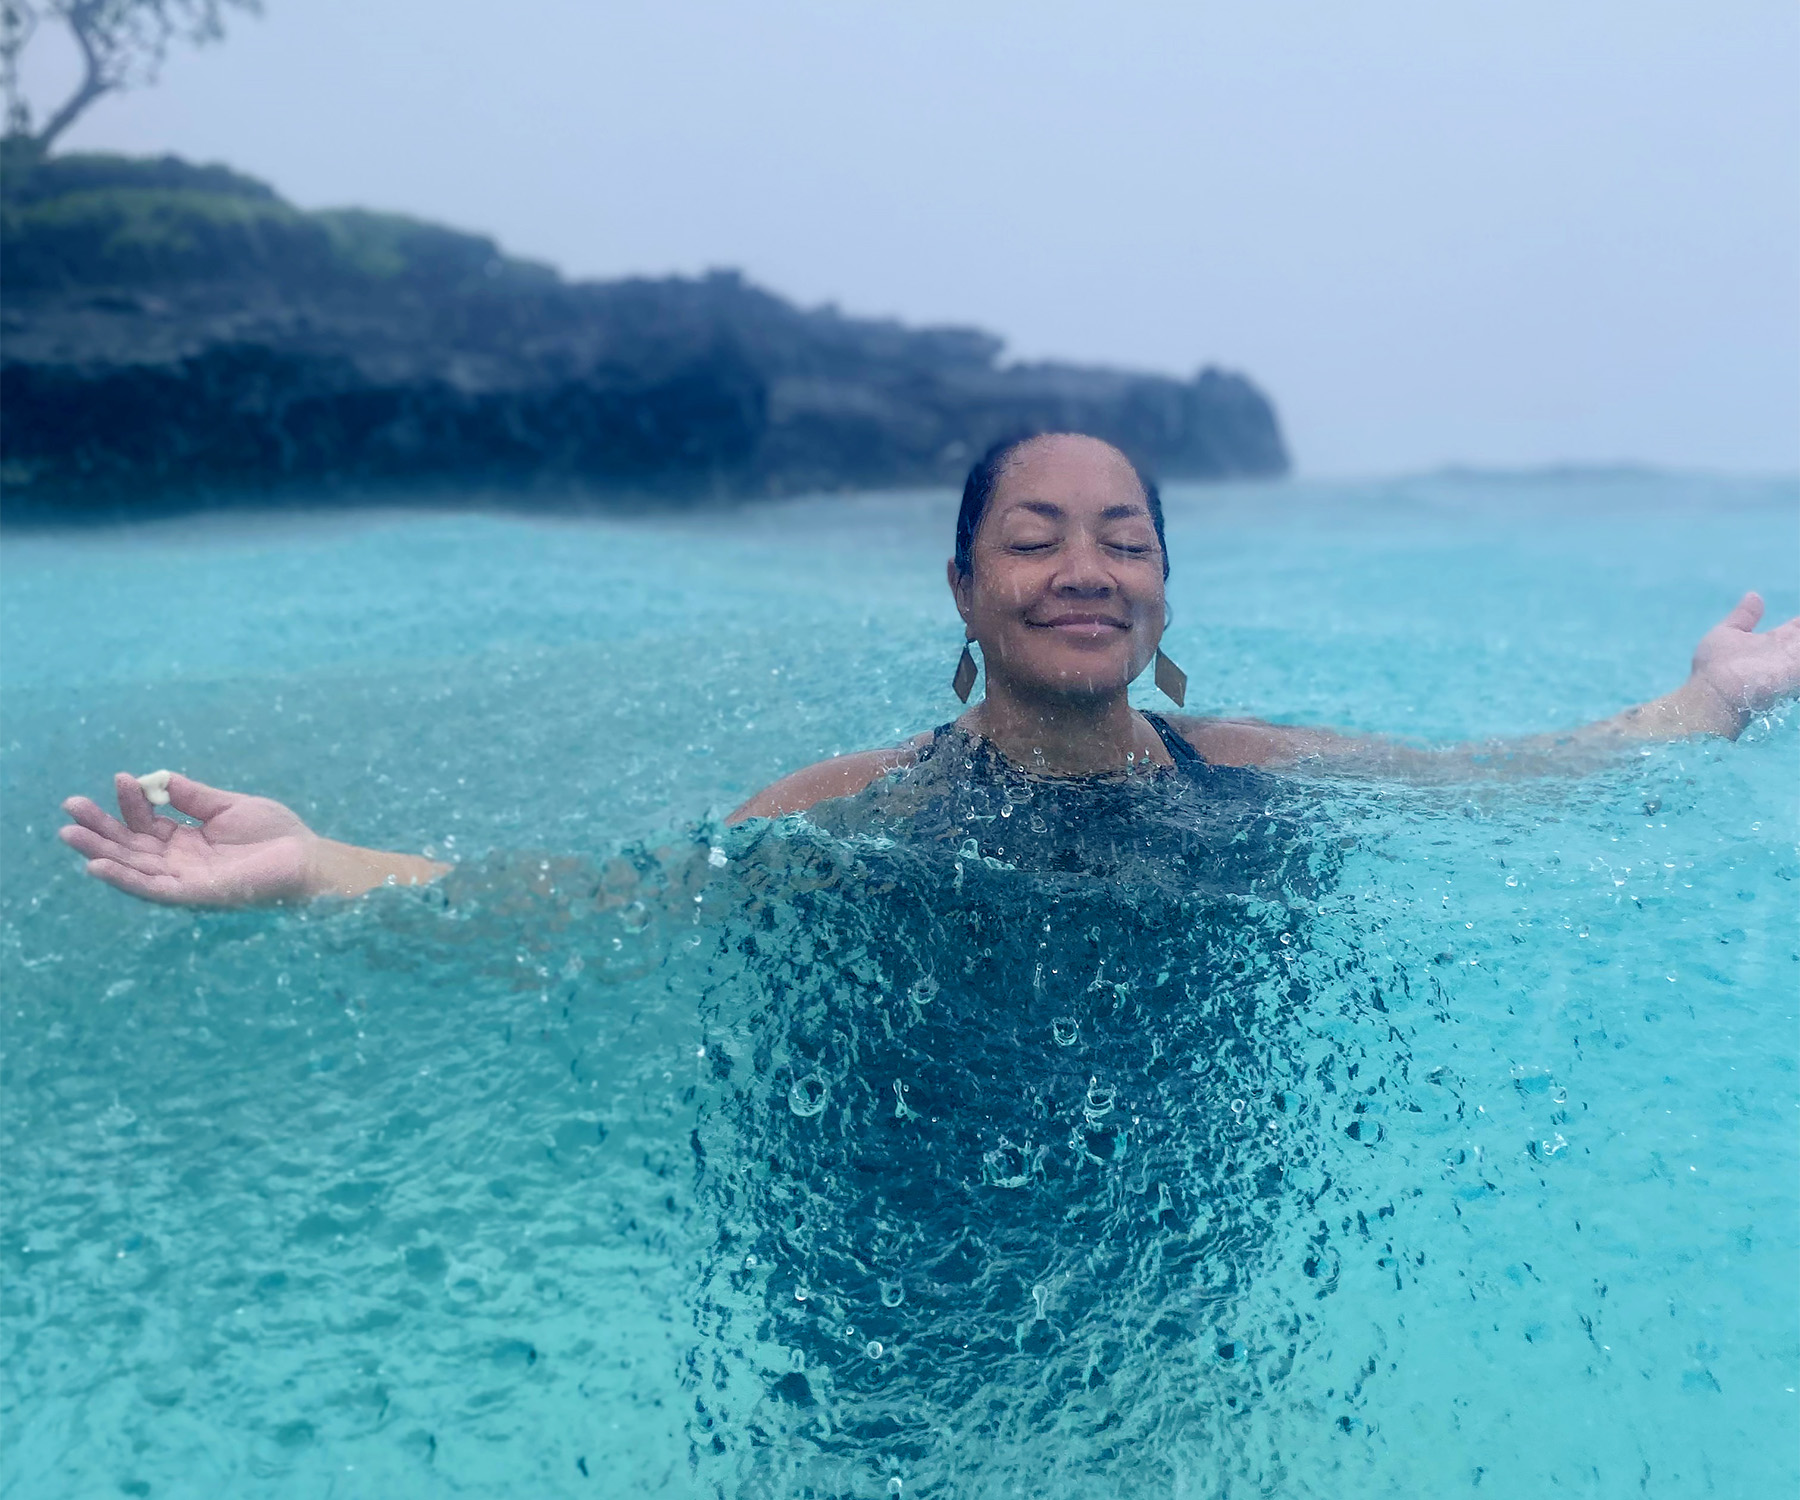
(1083, 681)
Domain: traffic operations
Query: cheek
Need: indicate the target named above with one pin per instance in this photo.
(1148, 606)
(1007, 591)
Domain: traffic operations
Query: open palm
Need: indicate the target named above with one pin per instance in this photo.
(1750, 672)
(245, 851)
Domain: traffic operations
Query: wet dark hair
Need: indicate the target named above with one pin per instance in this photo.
(979, 488)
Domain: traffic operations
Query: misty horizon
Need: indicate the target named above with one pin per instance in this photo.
(1527, 242)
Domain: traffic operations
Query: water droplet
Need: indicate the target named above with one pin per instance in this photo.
(1100, 1146)
(1006, 811)
(892, 1294)
(807, 1097)
(1006, 1166)
(1064, 1030)
(800, 1294)
(750, 1262)
(873, 1348)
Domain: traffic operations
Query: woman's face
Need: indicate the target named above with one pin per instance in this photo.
(1066, 593)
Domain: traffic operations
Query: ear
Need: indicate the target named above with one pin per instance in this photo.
(959, 588)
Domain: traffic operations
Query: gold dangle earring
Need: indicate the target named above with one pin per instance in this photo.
(1169, 677)
(963, 683)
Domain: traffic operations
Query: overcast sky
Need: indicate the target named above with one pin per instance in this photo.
(1508, 232)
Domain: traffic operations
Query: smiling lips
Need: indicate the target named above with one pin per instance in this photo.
(1081, 624)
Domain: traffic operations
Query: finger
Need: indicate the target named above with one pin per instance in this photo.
(86, 841)
(134, 806)
(163, 888)
(1745, 613)
(196, 798)
(90, 814)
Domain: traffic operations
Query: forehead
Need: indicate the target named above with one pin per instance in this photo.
(1077, 475)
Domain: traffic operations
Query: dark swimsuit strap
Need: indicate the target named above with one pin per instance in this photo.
(1180, 751)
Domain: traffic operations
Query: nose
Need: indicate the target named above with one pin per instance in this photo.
(1083, 572)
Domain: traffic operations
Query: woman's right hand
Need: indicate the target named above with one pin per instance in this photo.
(246, 851)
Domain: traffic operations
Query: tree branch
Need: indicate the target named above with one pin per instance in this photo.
(94, 81)
(121, 42)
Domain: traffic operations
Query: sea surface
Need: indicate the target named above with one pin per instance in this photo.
(1323, 1139)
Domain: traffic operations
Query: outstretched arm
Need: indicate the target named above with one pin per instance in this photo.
(254, 851)
(244, 851)
(1736, 673)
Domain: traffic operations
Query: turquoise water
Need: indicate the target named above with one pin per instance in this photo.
(1475, 1170)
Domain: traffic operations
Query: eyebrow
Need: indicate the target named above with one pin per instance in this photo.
(1056, 512)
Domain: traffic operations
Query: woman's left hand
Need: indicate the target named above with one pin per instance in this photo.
(1744, 671)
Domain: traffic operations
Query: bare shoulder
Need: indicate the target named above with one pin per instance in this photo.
(841, 776)
(1255, 742)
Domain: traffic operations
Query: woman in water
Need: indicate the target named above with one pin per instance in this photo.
(1058, 575)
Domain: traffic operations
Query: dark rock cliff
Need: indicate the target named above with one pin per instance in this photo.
(175, 334)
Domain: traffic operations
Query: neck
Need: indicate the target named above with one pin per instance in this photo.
(1065, 736)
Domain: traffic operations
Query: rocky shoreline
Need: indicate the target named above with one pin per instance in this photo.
(174, 336)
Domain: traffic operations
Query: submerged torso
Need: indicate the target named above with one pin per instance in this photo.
(994, 1057)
